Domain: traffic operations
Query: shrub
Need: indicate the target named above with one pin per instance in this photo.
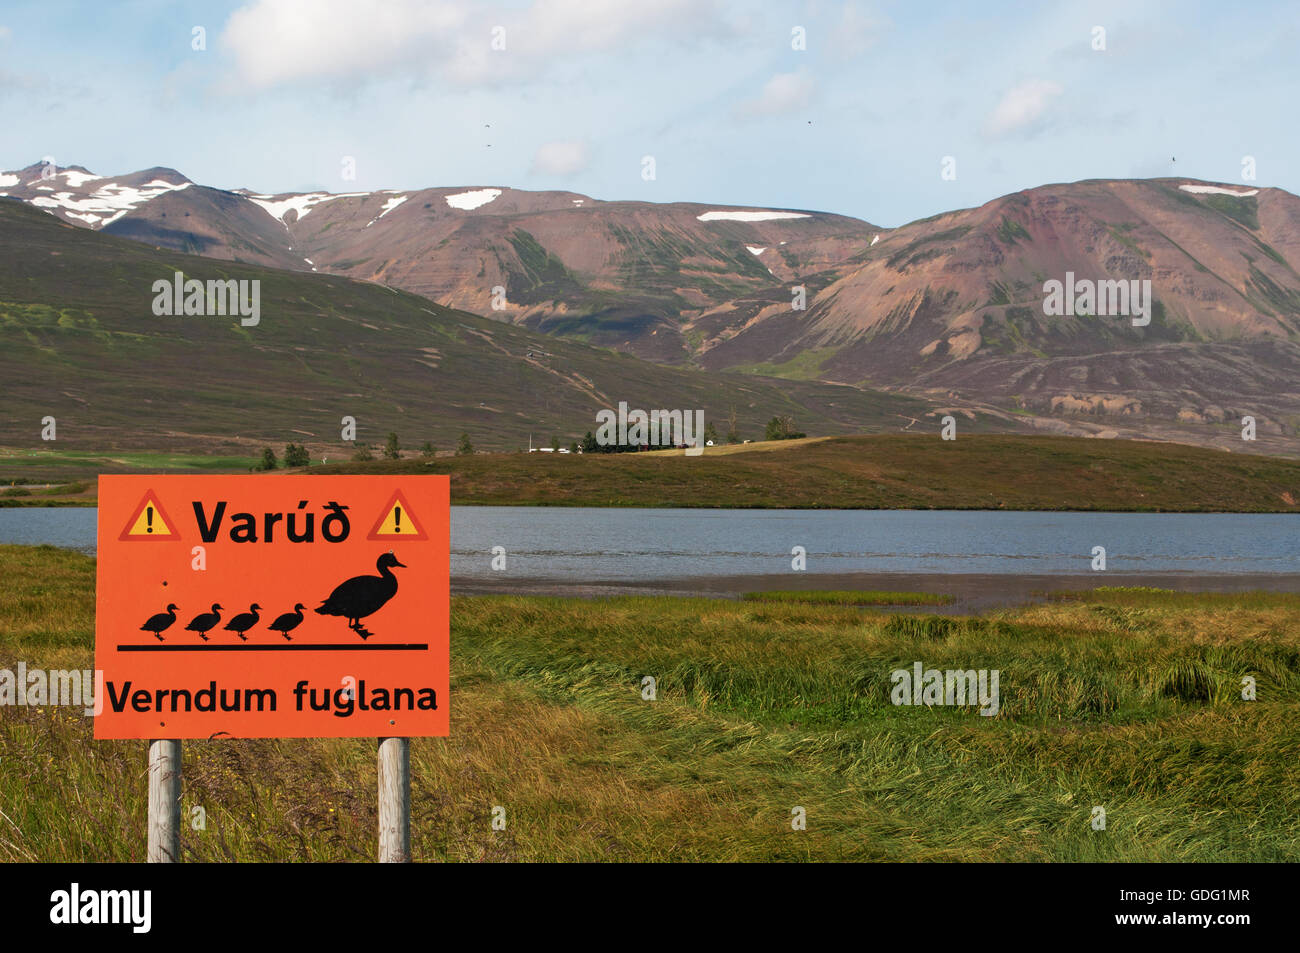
(296, 455)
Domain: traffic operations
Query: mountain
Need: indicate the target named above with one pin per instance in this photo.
(79, 341)
(954, 306)
(614, 274)
(950, 309)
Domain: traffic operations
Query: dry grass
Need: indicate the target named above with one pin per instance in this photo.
(1129, 700)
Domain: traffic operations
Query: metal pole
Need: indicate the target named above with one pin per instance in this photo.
(394, 800)
(164, 802)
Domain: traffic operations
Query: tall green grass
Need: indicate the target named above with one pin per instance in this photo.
(759, 707)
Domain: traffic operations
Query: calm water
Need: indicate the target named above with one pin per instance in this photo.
(584, 545)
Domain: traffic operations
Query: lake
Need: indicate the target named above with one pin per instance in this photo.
(584, 545)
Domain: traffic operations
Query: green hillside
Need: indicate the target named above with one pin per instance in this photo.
(79, 342)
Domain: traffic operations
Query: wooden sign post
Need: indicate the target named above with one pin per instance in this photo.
(285, 607)
(164, 845)
(394, 800)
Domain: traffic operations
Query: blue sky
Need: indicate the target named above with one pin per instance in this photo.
(859, 122)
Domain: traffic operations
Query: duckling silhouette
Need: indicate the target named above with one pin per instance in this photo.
(160, 623)
(288, 622)
(204, 622)
(243, 622)
(360, 596)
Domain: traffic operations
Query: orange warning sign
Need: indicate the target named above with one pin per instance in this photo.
(149, 521)
(266, 611)
(396, 521)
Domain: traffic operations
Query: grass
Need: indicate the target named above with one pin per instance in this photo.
(979, 471)
(903, 471)
(1011, 232)
(806, 365)
(75, 493)
(859, 598)
(1130, 701)
(1241, 209)
(75, 466)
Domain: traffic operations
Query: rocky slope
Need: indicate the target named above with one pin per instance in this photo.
(80, 341)
(950, 308)
(955, 306)
(616, 274)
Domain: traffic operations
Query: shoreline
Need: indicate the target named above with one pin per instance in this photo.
(971, 592)
(93, 502)
(890, 471)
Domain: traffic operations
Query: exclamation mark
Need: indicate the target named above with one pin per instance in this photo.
(397, 519)
(148, 515)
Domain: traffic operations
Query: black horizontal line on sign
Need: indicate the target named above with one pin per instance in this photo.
(299, 647)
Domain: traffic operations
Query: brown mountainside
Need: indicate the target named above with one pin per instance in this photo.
(955, 305)
(949, 308)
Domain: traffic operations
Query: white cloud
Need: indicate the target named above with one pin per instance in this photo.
(858, 30)
(1021, 107)
(783, 93)
(277, 41)
(283, 41)
(561, 158)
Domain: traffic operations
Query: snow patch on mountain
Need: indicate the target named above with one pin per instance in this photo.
(106, 204)
(302, 204)
(7, 180)
(1216, 190)
(742, 216)
(77, 179)
(467, 201)
(388, 207)
(757, 249)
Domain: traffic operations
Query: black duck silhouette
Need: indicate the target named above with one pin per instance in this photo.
(160, 623)
(204, 622)
(361, 596)
(288, 622)
(244, 621)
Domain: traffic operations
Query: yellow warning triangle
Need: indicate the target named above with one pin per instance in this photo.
(396, 521)
(149, 522)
